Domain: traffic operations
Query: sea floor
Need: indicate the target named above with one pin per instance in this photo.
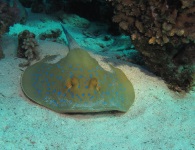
(159, 118)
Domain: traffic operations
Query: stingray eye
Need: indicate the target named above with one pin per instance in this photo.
(93, 84)
(68, 84)
(74, 81)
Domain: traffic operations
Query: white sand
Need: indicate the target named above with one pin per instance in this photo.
(158, 119)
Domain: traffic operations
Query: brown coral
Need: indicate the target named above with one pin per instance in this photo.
(27, 47)
(164, 32)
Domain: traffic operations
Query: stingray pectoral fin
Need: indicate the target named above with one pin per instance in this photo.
(125, 89)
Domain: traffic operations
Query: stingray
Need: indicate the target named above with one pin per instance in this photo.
(77, 83)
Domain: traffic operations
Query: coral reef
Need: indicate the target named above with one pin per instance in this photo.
(51, 34)
(164, 32)
(8, 15)
(27, 47)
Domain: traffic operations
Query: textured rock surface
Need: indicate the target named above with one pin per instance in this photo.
(164, 33)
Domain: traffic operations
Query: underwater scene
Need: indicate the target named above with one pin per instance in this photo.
(97, 75)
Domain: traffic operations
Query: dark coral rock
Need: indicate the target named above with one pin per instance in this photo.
(1, 53)
(27, 47)
(93, 10)
(21, 37)
(8, 16)
(26, 3)
(37, 6)
(49, 6)
(164, 32)
(51, 34)
(53, 6)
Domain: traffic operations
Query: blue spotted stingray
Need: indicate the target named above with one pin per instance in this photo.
(77, 83)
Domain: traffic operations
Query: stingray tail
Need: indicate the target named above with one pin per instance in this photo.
(72, 44)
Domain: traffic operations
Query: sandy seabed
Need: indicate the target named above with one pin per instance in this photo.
(158, 119)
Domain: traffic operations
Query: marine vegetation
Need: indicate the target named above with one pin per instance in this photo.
(77, 83)
(164, 32)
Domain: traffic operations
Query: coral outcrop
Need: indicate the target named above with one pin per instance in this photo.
(1, 53)
(27, 47)
(164, 32)
(51, 34)
(8, 15)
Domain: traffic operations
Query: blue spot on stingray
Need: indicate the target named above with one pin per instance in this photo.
(48, 89)
(110, 84)
(59, 93)
(48, 68)
(46, 73)
(78, 97)
(83, 94)
(48, 84)
(80, 76)
(89, 94)
(91, 97)
(34, 83)
(95, 92)
(122, 99)
(54, 91)
(51, 75)
(86, 87)
(53, 102)
(59, 77)
(47, 93)
(38, 91)
(58, 65)
(104, 103)
(72, 95)
(107, 93)
(63, 101)
(90, 75)
(64, 95)
(37, 74)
